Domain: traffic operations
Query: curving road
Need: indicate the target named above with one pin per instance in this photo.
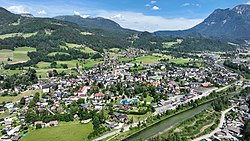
(222, 120)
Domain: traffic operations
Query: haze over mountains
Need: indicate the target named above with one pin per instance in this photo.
(224, 24)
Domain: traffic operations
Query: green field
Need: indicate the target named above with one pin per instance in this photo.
(60, 53)
(86, 33)
(10, 72)
(17, 56)
(125, 59)
(70, 64)
(170, 44)
(73, 132)
(91, 63)
(10, 35)
(87, 50)
(43, 72)
(83, 48)
(147, 59)
(172, 59)
(43, 65)
(19, 96)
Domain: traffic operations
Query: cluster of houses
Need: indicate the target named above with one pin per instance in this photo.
(234, 121)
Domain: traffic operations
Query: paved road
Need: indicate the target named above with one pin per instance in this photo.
(222, 120)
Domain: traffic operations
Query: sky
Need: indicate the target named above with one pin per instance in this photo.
(142, 15)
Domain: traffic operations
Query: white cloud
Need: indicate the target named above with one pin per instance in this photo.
(117, 16)
(79, 14)
(18, 9)
(147, 5)
(153, 1)
(248, 2)
(141, 22)
(155, 8)
(190, 4)
(42, 12)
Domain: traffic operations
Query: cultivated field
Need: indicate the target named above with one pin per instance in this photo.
(16, 56)
(68, 132)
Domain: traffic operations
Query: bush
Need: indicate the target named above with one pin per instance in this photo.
(38, 126)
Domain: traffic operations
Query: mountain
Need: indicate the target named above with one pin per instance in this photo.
(7, 17)
(50, 35)
(97, 23)
(224, 24)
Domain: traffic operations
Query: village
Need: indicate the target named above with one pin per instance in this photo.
(115, 90)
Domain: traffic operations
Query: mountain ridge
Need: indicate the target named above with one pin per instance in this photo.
(222, 24)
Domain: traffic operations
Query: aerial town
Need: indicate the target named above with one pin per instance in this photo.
(115, 70)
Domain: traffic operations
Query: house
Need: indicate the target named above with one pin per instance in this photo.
(39, 122)
(206, 84)
(120, 117)
(244, 108)
(234, 130)
(53, 123)
(8, 121)
(99, 95)
(83, 91)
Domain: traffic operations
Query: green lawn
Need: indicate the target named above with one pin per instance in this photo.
(147, 59)
(73, 132)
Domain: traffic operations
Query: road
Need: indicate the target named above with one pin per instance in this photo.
(222, 120)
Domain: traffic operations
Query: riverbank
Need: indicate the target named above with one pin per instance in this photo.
(222, 120)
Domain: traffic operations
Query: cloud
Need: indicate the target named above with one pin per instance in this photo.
(117, 16)
(147, 5)
(155, 8)
(18, 9)
(153, 1)
(42, 12)
(190, 4)
(248, 2)
(79, 14)
(141, 22)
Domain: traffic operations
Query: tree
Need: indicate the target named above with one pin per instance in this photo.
(38, 126)
(22, 101)
(80, 101)
(96, 122)
(30, 116)
(36, 97)
(32, 104)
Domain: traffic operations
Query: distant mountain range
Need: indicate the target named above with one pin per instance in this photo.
(89, 22)
(225, 24)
